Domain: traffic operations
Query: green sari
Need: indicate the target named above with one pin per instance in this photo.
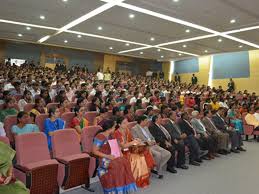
(6, 112)
(6, 156)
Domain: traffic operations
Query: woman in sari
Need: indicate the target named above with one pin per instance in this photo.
(79, 122)
(8, 184)
(8, 109)
(53, 123)
(63, 106)
(39, 108)
(141, 161)
(114, 172)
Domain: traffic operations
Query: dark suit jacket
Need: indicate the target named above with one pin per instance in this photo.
(219, 123)
(174, 130)
(158, 135)
(185, 127)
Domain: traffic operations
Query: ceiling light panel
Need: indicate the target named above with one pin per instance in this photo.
(123, 27)
(55, 12)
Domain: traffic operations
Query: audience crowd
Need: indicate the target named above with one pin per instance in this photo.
(172, 118)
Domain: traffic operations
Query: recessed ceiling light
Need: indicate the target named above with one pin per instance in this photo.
(180, 54)
(20, 35)
(152, 38)
(219, 40)
(240, 46)
(141, 53)
(64, 0)
(131, 16)
(65, 41)
(232, 21)
(127, 44)
(79, 36)
(175, 1)
(110, 48)
(158, 50)
(206, 51)
(28, 28)
(162, 56)
(42, 17)
(188, 31)
(184, 46)
(100, 28)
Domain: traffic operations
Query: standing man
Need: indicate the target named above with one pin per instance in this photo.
(194, 79)
(231, 85)
(177, 78)
(161, 75)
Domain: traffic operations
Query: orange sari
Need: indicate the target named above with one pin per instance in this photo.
(141, 159)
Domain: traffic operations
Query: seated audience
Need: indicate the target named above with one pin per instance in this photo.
(23, 125)
(114, 171)
(39, 108)
(79, 122)
(139, 165)
(164, 140)
(27, 98)
(53, 123)
(8, 109)
(235, 136)
(63, 106)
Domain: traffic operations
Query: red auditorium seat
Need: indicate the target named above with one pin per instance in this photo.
(90, 116)
(248, 129)
(28, 107)
(34, 166)
(71, 105)
(8, 123)
(67, 117)
(87, 137)
(52, 105)
(39, 120)
(73, 164)
(5, 140)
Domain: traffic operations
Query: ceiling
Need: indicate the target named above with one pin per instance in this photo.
(153, 29)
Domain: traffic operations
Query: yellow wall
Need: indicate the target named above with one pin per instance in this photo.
(251, 84)
(166, 69)
(111, 60)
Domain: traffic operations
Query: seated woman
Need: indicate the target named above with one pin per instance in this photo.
(100, 120)
(8, 109)
(23, 126)
(129, 113)
(27, 98)
(39, 108)
(61, 96)
(139, 166)
(44, 94)
(8, 183)
(95, 105)
(52, 124)
(63, 106)
(79, 122)
(235, 118)
(114, 172)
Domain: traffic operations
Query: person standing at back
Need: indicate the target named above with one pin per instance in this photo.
(194, 79)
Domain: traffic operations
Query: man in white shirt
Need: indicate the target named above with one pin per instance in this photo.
(134, 98)
(93, 91)
(100, 75)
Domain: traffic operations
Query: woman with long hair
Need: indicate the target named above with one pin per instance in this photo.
(79, 122)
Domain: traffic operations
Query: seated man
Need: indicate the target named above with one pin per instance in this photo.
(23, 124)
(177, 140)
(191, 140)
(163, 138)
(222, 138)
(160, 154)
(236, 139)
(206, 141)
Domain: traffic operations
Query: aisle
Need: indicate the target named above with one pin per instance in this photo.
(232, 174)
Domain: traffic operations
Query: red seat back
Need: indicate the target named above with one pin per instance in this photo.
(90, 116)
(39, 120)
(28, 107)
(87, 137)
(31, 147)
(8, 123)
(67, 117)
(52, 105)
(5, 140)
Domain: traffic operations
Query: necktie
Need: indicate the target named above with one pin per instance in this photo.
(165, 132)
(191, 127)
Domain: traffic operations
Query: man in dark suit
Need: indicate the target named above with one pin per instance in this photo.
(235, 137)
(177, 139)
(177, 78)
(194, 79)
(191, 141)
(163, 139)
